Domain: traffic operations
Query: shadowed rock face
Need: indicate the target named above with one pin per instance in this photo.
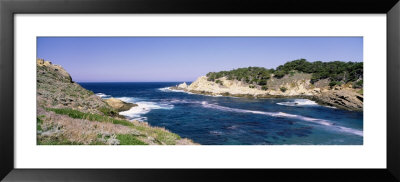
(345, 99)
(119, 105)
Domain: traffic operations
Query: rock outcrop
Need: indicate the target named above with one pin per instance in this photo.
(182, 85)
(345, 99)
(296, 85)
(56, 69)
(119, 105)
(55, 88)
(293, 87)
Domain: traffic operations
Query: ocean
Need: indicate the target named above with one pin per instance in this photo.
(209, 120)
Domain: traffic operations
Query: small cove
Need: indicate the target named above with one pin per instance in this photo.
(235, 121)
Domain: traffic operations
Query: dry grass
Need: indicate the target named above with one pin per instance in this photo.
(78, 130)
(62, 129)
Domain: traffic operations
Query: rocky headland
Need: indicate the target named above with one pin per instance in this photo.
(68, 114)
(296, 84)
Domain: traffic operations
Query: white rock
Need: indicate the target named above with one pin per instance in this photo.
(236, 87)
(183, 85)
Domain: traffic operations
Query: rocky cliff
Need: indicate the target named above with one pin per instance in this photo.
(69, 114)
(294, 85)
(56, 89)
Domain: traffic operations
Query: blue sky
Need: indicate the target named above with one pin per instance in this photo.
(142, 59)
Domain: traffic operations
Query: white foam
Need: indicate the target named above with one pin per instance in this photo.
(350, 130)
(215, 132)
(185, 101)
(331, 107)
(102, 95)
(302, 102)
(286, 115)
(135, 113)
(321, 122)
(168, 89)
(274, 114)
(299, 102)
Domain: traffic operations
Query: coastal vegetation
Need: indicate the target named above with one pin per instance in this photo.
(337, 72)
(253, 75)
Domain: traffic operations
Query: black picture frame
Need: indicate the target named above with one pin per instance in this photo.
(9, 8)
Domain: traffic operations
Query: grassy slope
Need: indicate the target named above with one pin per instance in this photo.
(160, 135)
(71, 115)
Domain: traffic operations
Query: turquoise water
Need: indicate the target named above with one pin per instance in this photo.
(236, 121)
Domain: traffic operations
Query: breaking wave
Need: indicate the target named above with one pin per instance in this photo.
(135, 113)
(299, 102)
(168, 89)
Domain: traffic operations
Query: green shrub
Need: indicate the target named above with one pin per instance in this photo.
(251, 86)
(219, 82)
(108, 111)
(280, 74)
(333, 83)
(283, 89)
(336, 70)
(264, 87)
(248, 75)
(262, 82)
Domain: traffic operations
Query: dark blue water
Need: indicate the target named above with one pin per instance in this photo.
(236, 121)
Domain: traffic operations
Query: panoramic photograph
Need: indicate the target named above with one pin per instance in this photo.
(199, 91)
